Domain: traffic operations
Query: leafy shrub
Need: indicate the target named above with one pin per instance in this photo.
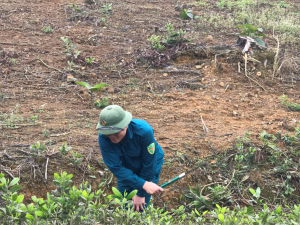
(287, 102)
(101, 103)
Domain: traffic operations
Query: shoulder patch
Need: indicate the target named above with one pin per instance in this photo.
(151, 148)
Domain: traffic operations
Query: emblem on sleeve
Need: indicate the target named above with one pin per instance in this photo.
(151, 148)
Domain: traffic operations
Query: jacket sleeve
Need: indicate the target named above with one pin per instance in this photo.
(149, 159)
(114, 163)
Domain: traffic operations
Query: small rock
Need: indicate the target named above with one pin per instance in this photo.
(222, 84)
(111, 90)
(165, 74)
(71, 79)
(235, 113)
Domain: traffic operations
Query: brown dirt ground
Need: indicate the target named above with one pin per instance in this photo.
(228, 101)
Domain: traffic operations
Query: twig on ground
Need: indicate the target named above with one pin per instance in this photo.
(57, 135)
(49, 66)
(150, 86)
(275, 65)
(179, 71)
(209, 185)
(250, 77)
(46, 168)
(205, 129)
(7, 172)
(231, 179)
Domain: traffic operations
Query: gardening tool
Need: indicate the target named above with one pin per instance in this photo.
(180, 176)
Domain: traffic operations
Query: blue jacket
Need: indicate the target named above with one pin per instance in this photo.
(135, 160)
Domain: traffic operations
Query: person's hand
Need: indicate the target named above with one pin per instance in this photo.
(152, 188)
(138, 203)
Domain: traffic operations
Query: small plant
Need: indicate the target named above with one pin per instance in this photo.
(101, 103)
(14, 61)
(48, 30)
(155, 42)
(69, 48)
(253, 32)
(287, 102)
(64, 150)
(76, 158)
(186, 14)
(172, 36)
(256, 194)
(71, 65)
(92, 89)
(45, 132)
(107, 8)
(34, 118)
(282, 4)
(37, 149)
(89, 60)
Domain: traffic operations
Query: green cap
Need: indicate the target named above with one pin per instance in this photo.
(113, 119)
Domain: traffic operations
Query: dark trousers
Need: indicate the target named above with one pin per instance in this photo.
(122, 187)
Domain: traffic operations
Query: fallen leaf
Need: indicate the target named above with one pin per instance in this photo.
(245, 178)
(209, 177)
(222, 84)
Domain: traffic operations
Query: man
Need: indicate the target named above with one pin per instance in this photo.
(131, 152)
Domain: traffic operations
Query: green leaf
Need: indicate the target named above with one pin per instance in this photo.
(1, 175)
(30, 217)
(221, 217)
(14, 197)
(116, 192)
(99, 86)
(92, 176)
(278, 210)
(260, 42)
(85, 194)
(20, 198)
(14, 181)
(39, 213)
(87, 85)
(250, 210)
(190, 15)
(252, 191)
(131, 194)
(257, 193)
(3, 209)
(15, 188)
(112, 196)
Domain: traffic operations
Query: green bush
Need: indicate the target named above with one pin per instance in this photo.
(71, 205)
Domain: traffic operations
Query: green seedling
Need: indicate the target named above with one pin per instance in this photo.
(69, 48)
(76, 158)
(287, 102)
(92, 89)
(107, 8)
(89, 60)
(71, 65)
(172, 36)
(253, 32)
(48, 30)
(155, 42)
(186, 14)
(256, 194)
(64, 150)
(45, 132)
(101, 103)
(37, 149)
(14, 61)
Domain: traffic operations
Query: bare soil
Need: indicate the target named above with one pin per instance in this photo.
(229, 103)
